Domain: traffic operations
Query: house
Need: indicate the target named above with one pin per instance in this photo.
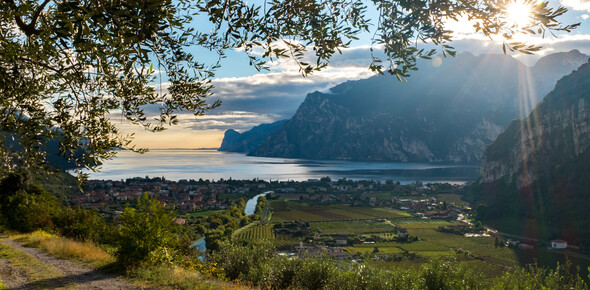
(402, 232)
(319, 250)
(336, 252)
(512, 243)
(341, 240)
(372, 200)
(558, 244)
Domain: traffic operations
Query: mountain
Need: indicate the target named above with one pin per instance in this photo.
(446, 113)
(52, 157)
(249, 140)
(535, 177)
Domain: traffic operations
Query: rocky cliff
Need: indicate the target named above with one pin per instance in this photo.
(556, 133)
(446, 113)
(234, 141)
(536, 175)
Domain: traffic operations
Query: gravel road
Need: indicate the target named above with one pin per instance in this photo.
(69, 275)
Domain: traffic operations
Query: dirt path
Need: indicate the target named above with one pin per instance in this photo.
(59, 273)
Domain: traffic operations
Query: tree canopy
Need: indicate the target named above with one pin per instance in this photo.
(69, 67)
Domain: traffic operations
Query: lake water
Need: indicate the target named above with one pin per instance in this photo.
(211, 164)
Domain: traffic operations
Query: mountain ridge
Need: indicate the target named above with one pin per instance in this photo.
(536, 175)
(469, 101)
(245, 142)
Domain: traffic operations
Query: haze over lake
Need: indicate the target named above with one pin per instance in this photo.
(175, 164)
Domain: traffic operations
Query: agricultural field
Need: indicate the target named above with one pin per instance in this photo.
(363, 223)
(256, 232)
(202, 213)
(451, 197)
(285, 210)
(371, 250)
(479, 251)
(353, 227)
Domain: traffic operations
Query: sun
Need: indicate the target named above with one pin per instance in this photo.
(518, 14)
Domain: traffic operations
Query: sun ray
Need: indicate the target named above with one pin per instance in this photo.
(519, 13)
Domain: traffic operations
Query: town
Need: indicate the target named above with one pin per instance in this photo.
(185, 196)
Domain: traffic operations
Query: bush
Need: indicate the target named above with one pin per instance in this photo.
(83, 224)
(27, 211)
(242, 262)
(24, 206)
(147, 234)
(449, 274)
(534, 277)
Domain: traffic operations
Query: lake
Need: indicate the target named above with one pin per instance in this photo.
(176, 164)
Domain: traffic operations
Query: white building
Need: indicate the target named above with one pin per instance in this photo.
(558, 244)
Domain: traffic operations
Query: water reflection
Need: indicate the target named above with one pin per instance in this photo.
(210, 164)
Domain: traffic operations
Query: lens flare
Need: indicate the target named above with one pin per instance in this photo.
(518, 14)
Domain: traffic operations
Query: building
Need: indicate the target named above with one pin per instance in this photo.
(341, 240)
(558, 244)
(402, 232)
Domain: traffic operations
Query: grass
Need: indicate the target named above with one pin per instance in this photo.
(162, 276)
(31, 266)
(86, 252)
(451, 197)
(202, 213)
(287, 210)
(256, 232)
(264, 232)
(369, 250)
(177, 278)
(480, 252)
(355, 227)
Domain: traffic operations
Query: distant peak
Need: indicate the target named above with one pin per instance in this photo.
(231, 132)
(574, 51)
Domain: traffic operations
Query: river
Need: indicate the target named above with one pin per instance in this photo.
(201, 244)
(251, 203)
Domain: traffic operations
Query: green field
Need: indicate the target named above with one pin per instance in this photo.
(369, 250)
(479, 252)
(255, 232)
(451, 197)
(354, 227)
(202, 213)
(361, 222)
(287, 210)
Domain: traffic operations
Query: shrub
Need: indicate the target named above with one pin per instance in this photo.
(83, 224)
(242, 262)
(146, 234)
(449, 274)
(27, 211)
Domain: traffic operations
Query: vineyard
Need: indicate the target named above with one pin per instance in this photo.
(353, 227)
(294, 210)
(265, 232)
(256, 232)
(479, 251)
(379, 224)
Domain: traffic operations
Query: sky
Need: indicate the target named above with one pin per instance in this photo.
(250, 98)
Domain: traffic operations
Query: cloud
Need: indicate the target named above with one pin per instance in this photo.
(267, 97)
(478, 44)
(281, 91)
(238, 120)
(582, 5)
